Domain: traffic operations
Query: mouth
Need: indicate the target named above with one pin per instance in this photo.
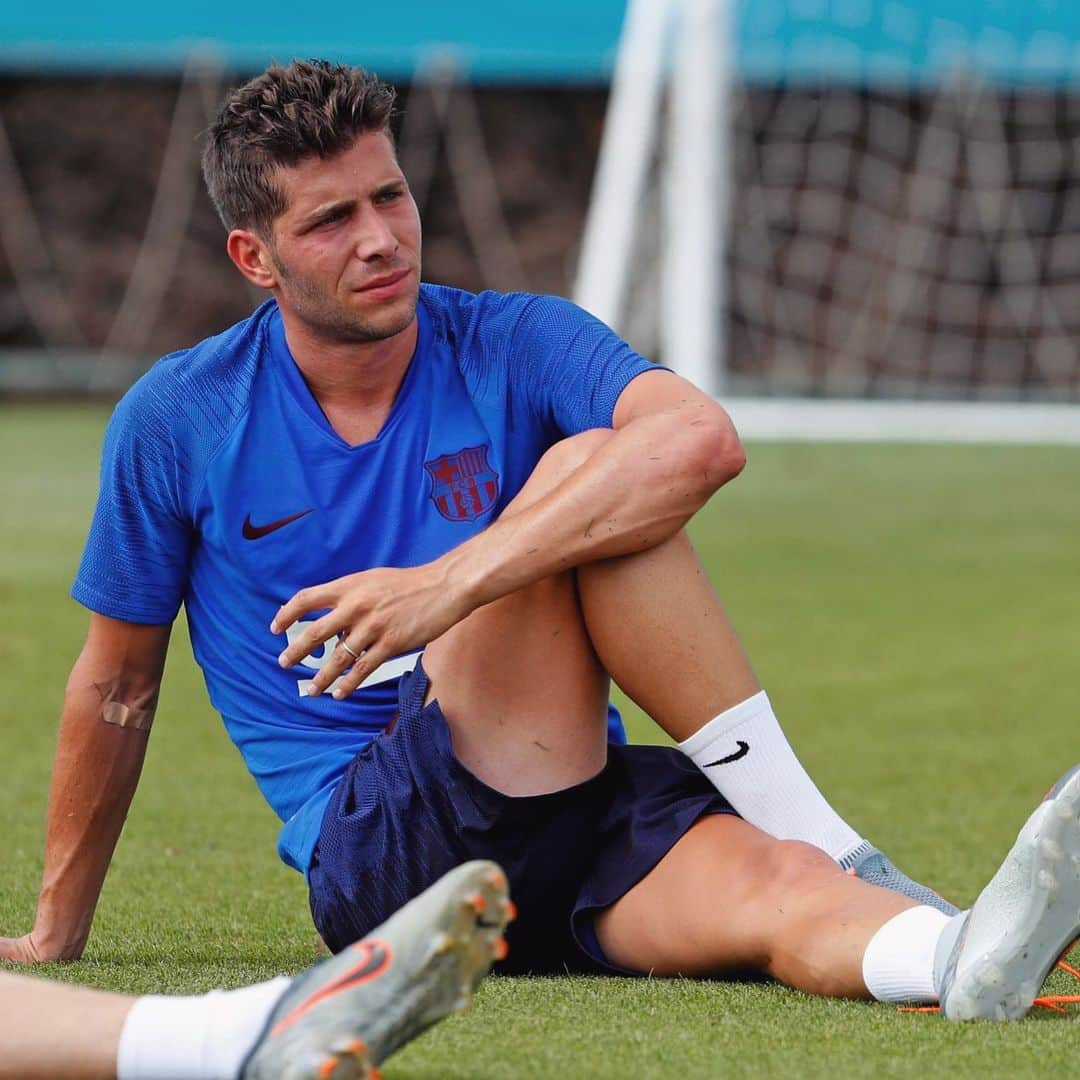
(385, 284)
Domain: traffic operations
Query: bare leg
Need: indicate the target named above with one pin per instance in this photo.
(523, 685)
(651, 619)
(52, 1031)
(787, 911)
(523, 691)
(680, 658)
(519, 682)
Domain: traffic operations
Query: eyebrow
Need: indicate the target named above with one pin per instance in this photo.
(311, 219)
(325, 210)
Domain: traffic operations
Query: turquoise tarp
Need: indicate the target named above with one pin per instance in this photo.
(552, 41)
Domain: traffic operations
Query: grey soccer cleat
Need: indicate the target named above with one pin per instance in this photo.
(1056, 789)
(341, 1018)
(1026, 918)
(878, 869)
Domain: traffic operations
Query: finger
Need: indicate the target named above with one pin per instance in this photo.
(305, 643)
(319, 596)
(13, 951)
(352, 678)
(340, 662)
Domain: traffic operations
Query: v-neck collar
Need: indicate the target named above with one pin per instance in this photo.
(290, 374)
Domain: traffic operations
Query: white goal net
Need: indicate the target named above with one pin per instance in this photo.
(921, 243)
(901, 200)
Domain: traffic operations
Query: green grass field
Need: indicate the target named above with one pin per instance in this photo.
(912, 612)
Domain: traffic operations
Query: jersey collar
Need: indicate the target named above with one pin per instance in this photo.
(285, 368)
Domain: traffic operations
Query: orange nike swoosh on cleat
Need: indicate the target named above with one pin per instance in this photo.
(375, 957)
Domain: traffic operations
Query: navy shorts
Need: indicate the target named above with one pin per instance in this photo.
(407, 811)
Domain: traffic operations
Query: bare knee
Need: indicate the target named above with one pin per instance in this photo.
(812, 932)
(795, 868)
(788, 878)
(797, 882)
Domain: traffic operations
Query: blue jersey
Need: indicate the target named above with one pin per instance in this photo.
(224, 487)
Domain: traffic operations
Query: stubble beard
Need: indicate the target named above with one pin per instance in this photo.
(331, 323)
(338, 327)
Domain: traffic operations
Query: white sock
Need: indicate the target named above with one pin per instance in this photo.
(195, 1038)
(899, 963)
(744, 752)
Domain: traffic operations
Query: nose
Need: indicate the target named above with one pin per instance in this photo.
(375, 239)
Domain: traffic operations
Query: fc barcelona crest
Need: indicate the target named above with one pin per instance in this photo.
(463, 485)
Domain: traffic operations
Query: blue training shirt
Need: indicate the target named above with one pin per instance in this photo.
(224, 487)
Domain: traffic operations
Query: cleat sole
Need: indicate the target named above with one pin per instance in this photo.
(1024, 919)
(1051, 850)
(477, 903)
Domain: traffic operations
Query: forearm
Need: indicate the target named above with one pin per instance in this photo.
(603, 494)
(98, 761)
(639, 488)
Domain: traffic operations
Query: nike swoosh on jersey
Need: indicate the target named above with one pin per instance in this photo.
(744, 749)
(254, 532)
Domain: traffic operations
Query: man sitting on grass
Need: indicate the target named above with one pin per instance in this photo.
(368, 467)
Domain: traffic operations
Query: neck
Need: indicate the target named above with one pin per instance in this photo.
(365, 372)
(354, 383)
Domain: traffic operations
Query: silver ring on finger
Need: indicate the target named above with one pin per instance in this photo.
(352, 652)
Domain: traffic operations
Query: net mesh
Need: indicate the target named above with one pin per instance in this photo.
(906, 244)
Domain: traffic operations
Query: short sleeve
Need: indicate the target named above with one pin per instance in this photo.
(135, 563)
(572, 365)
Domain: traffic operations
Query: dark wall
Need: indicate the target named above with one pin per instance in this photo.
(89, 152)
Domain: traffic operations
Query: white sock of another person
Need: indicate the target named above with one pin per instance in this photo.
(746, 755)
(195, 1038)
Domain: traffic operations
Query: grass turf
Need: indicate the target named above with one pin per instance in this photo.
(912, 611)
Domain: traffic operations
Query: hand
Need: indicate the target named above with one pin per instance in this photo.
(29, 950)
(378, 613)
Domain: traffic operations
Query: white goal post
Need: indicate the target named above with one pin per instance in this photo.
(880, 257)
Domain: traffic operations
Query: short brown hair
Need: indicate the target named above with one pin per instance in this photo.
(307, 108)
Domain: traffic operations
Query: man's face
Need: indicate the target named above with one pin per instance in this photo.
(346, 251)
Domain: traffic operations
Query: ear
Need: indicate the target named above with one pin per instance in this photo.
(251, 254)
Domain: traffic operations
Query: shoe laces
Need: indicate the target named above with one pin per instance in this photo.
(1057, 1002)
(1052, 1002)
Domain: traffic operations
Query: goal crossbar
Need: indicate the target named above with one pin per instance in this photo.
(802, 420)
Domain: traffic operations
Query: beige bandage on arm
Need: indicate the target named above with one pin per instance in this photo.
(113, 712)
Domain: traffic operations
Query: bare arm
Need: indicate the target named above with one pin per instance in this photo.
(108, 705)
(672, 448)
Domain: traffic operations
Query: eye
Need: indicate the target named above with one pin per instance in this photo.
(389, 196)
(333, 217)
